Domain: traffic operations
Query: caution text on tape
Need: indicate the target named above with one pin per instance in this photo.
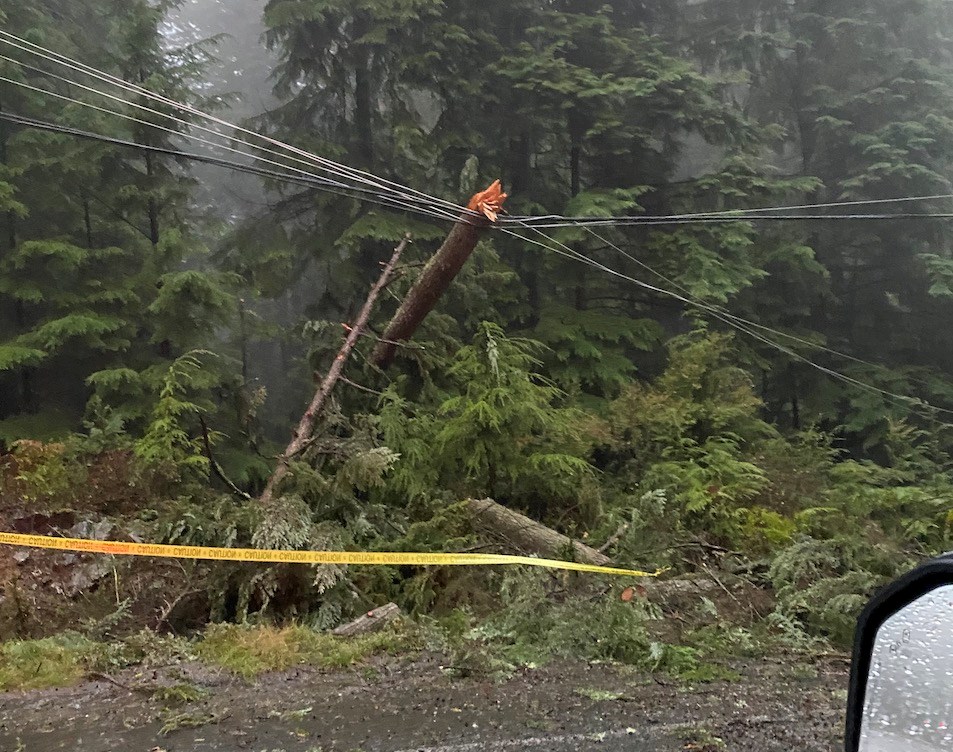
(397, 558)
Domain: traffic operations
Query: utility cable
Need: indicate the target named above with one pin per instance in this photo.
(342, 170)
(324, 184)
(893, 397)
(187, 124)
(311, 176)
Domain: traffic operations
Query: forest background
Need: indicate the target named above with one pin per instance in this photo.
(158, 337)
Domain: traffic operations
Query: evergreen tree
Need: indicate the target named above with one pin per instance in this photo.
(95, 278)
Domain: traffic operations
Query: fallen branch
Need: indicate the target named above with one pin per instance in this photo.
(302, 434)
(528, 535)
(614, 538)
(439, 272)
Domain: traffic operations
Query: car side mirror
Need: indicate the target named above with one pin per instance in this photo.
(901, 683)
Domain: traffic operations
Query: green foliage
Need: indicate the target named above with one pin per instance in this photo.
(590, 350)
(823, 585)
(250, 651)
(52, 662)
(167, 446)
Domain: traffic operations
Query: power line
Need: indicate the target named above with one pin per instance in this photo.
(180, 121)
(661, 221)
(892, 397)
(556, 220)
(739, 319)
(384, 199)
(324, 184)
(401, 191)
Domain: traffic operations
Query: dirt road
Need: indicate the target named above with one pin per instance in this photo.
(779, 705)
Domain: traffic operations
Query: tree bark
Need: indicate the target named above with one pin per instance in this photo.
(303, 433)
(372, 621)
(433, 282)
(528, 535)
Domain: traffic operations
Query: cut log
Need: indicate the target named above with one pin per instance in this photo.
(524, 534)
(372, 621)
(439, 272)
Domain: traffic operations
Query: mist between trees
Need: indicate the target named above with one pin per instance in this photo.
(163, 325)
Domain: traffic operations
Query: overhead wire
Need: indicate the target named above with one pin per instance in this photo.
(305, 177)
(349, 173)
(187, 124)
(743, 321)
(892, 397)
(556, 220)
(383, 198)
(739, 319)
(324, 184)
(536, 224)
(341, 170)
(655, 221)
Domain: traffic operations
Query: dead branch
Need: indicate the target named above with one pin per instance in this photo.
(614, 538)
(216, 468)
(305, 429)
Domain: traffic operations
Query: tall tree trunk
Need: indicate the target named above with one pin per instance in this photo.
(87, 223)
(577, 131)
(364, 95)
(27, 396)
(153, 206)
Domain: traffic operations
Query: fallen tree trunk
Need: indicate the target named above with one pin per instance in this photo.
(303, 433)
(439, 272)
(530, 536)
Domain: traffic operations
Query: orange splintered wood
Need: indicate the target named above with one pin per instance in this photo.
(489, 202)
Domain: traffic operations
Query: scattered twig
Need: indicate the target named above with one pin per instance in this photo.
(720, 583)
(360, 387)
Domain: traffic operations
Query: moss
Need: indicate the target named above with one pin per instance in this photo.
(705, 673)
(59, 661)
(250, 651)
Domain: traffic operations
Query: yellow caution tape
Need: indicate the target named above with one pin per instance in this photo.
(118, 548)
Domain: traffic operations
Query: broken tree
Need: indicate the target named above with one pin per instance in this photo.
(524, 534)
(440, 271)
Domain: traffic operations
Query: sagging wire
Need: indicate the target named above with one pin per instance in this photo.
(739, 319)
(182, 134)
(321, 183)
(341, 170)
(341, 188)
(894, 398)
(553, 221)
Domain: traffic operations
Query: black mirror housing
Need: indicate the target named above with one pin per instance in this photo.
(887, 603)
